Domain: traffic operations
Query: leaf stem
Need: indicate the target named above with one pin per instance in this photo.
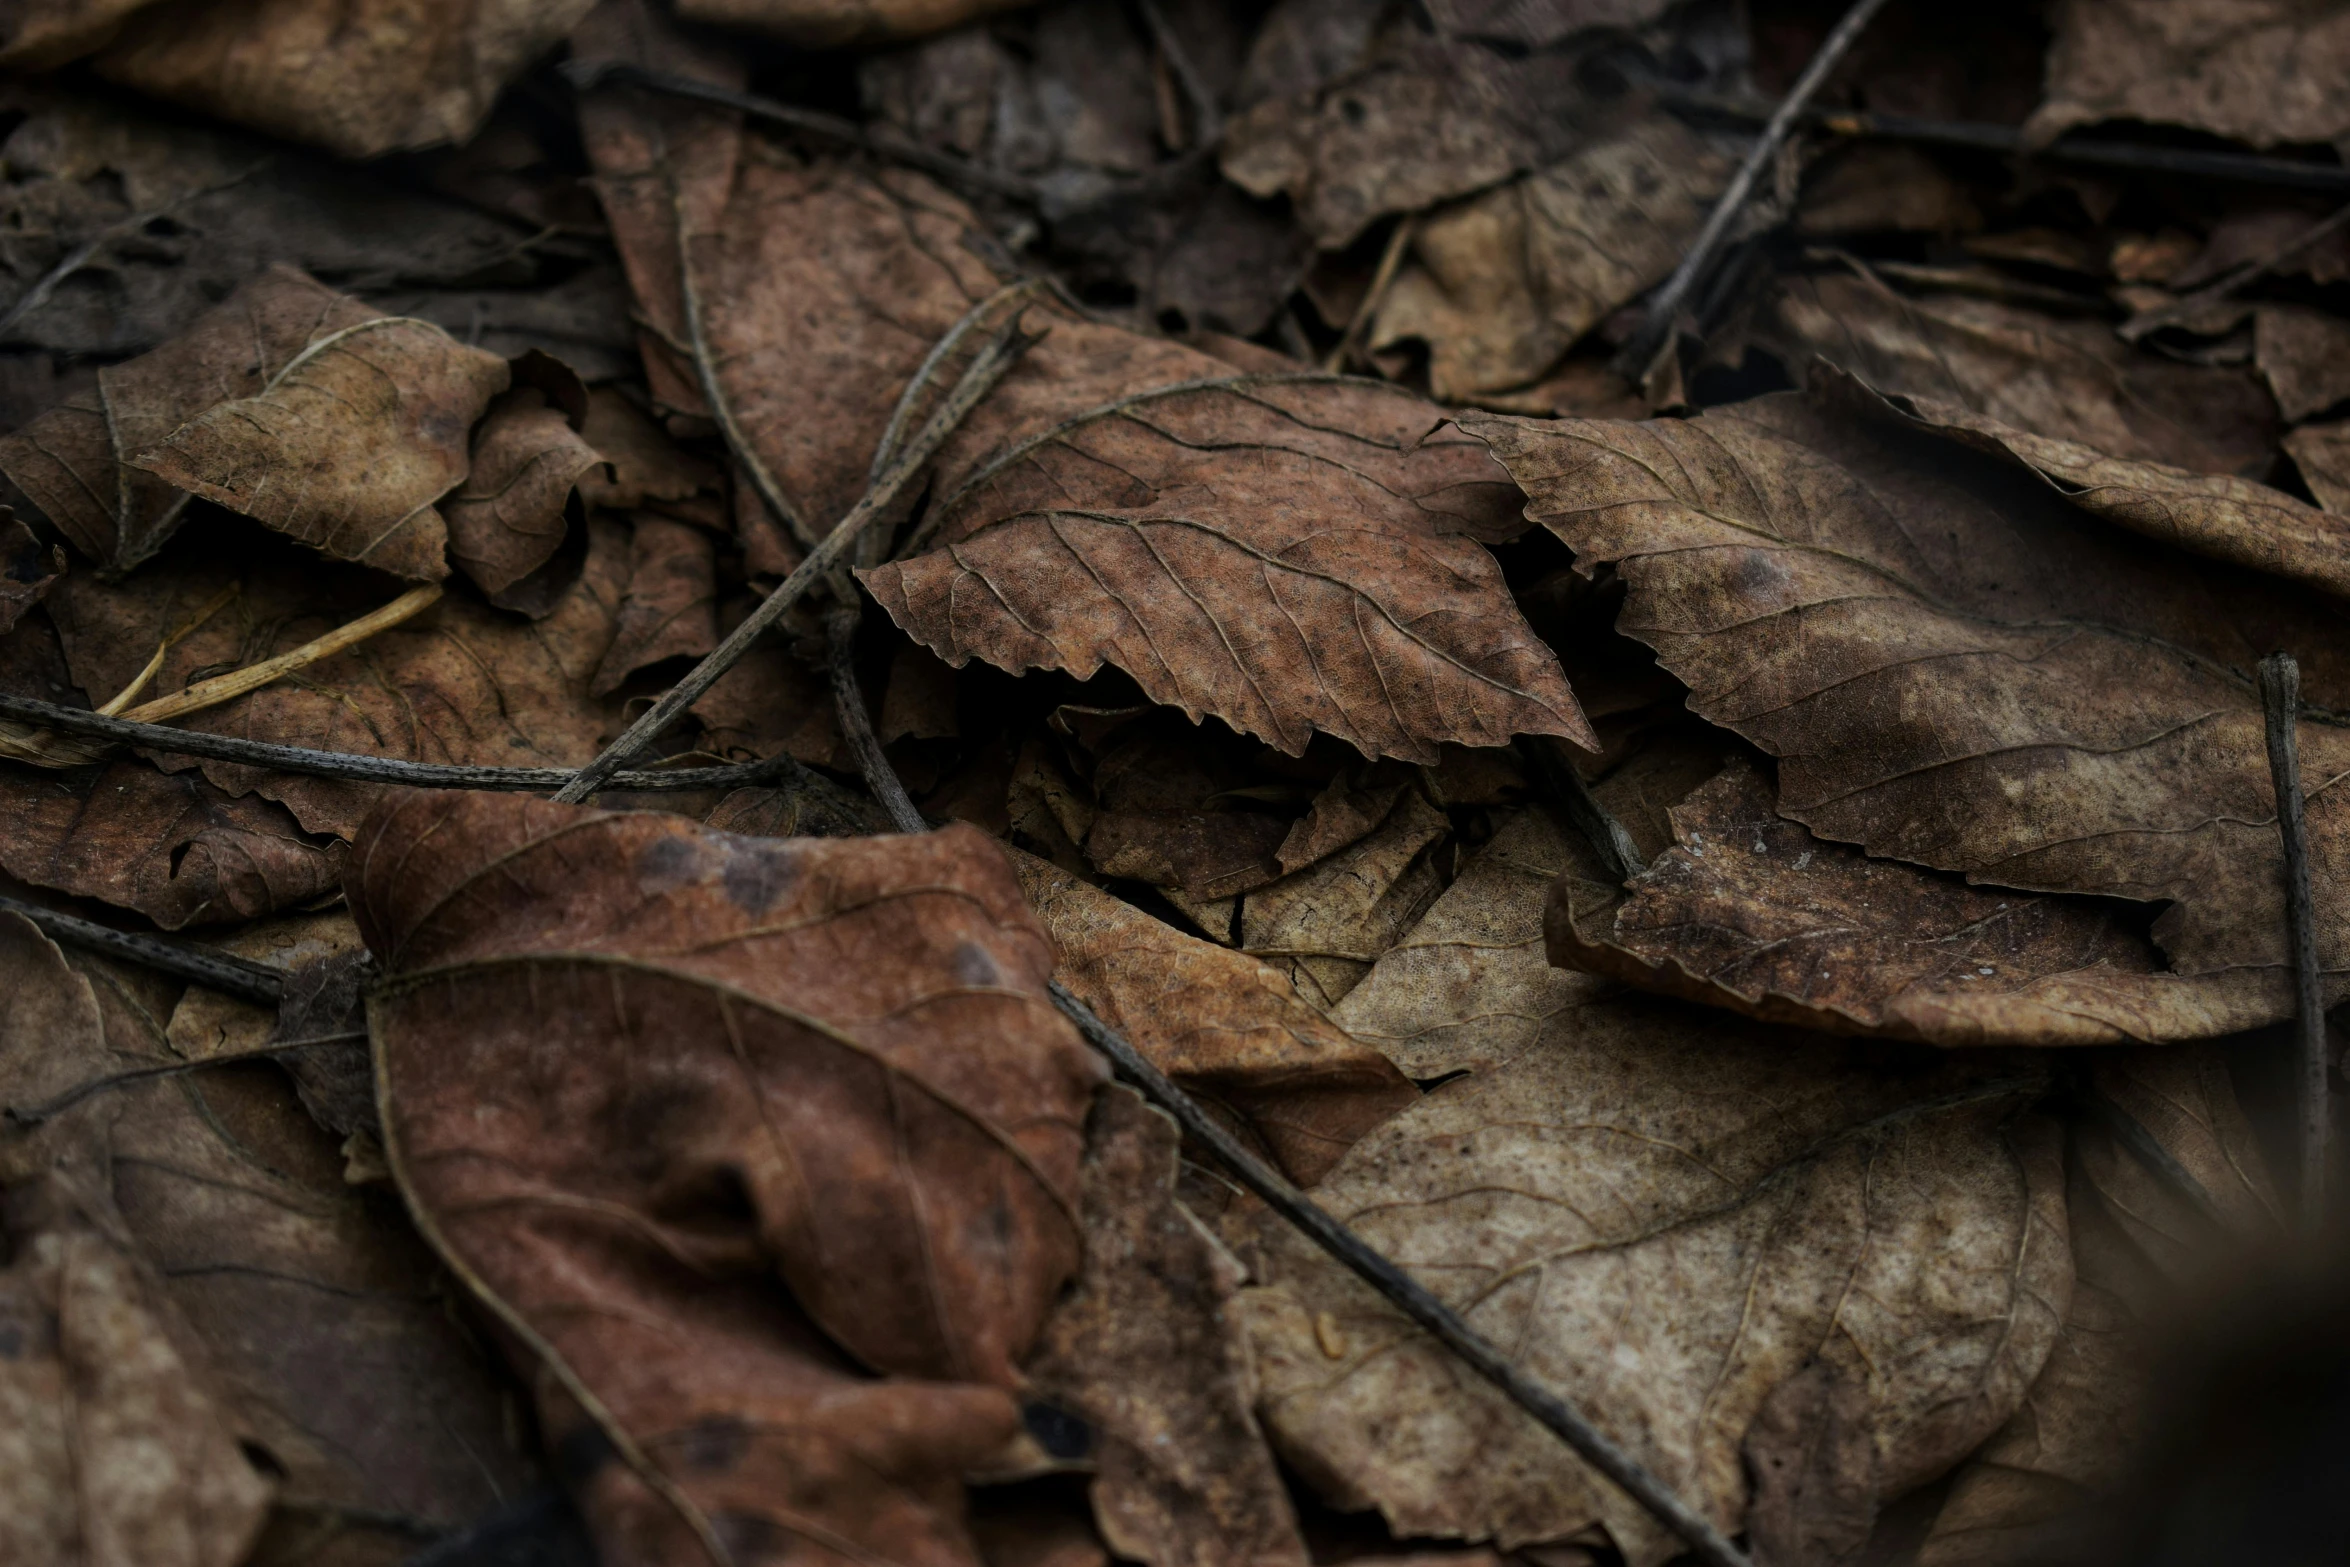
(2280, 699)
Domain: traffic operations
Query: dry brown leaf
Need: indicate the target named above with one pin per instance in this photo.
(510, 515)
(1219, 1022)
(359, 79)
(1469, 986)
(1327, 924)
(1149, 1351)
(459, 683)
(1875, 187)
(172, 847)
(2305, 357)
(1959, 666)
(2066, 378)
(671, 607)
(347, 444)
(1668, 1215)
(2322, 453)
(327, 1323)
(1500, 285)
(2262, 71)
(1163, 811)
(27, 571)
(1749, 911)
(47, 33)
(1347, 810)
(645, 466)
(73, 462)
(807, 1093)
(841, 24)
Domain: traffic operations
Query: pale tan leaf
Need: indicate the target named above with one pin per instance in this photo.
(2262, 71)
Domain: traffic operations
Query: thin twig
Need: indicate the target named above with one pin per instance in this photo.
(1390, 262)
(214, 970)
(2131, 1133)
(988, 367)
(856, 726)
(35, 1115)
(2225, 286)
(2280, 699)
(386, 769)
(1662, 328)
(1408, 1294)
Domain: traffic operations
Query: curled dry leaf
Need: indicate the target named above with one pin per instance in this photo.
(359, 79)
(347, 444)
(1149, 1351)
(1669, 1216)
(2262, 71)
(712, 1121)
(74, 461)
(671, 607)
(841, 24)
(1959, 664)
(2322, 453)
(325, 1320)
(510, 515)
(1748, 910)
(1219, 1022)
(1327, 924)
(2068, 379)
(2305, 357)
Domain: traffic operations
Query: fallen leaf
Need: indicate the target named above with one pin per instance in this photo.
(172, 847)
(1468, 987)
(1958, 665)
(371, 77)
(671, 607)
(2070, 379)
(1223, 1025)
(50, 33)
(1348, 810)
(1749, 911)
(510, 515)
(1500, 285)
(1164, 813)
(2305, 357)
(1326, 924)
(347, 444)
(2322, 453)
(1665, 1217)
(27, 571)
(808, 1094)
(1877, 187)
(646, 467)
(2265, 72)
(1149, 1351)
(840, 24)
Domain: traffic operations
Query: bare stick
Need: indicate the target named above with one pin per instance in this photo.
(987, 368)
(36, 1114)
(1408, 1294)
(214, 970)
(1658, 333)
(841, 631)
(2280, 697)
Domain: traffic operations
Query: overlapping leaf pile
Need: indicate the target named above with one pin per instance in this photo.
(1758, 885)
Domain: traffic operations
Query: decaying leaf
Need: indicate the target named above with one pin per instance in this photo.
(1162, 811)
(1148, 1350)
(2262, 71)
(1800, 1202)
(27, 571)
(1328, 923)
(1219, 1022)
(714, 1122)
(1961, 665)
(671, 607)
(347, 444)
(359, 79)
(2322, 453)
(1748, 910)
(2305, 357)
(509, 516)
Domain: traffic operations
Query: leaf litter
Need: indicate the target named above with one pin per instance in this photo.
(1754, 886)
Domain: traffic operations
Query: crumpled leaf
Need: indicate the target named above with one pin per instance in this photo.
(1271, 550)
(74, 462)
(2065, 379)
(510, 515)
(1957, 665)
(359, 79)
(2261, 71)
(347, 444)
(1163, 811)
(807, 1094)
(1749, 911)
(327, 1323)
(1223, 1025)
(2304, 355)
(2322, 453)
(671, 607)
(1897, 1223)
(1500, 285)
(171, 846)
(1149, 1351)
(1326, 924)
(840, 24)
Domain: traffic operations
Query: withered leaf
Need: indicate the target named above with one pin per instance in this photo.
(2322, 453)
(2305, 357)
(671, 607)
(325, 1320)
(171, 846)
(1468, 987)
(1166, 815)
(1326, 924)
(1958, 665)
(361, 79)
(74, 461)
(2070, 379)
(27, 571)
(690, 1110)
(2262, 71)
(1272, 550)
(1219, 1022)
(1748, 910)
(509, 516)
(1149, 1351)
(347, 444)
(645, 465)
(1667, 1215)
